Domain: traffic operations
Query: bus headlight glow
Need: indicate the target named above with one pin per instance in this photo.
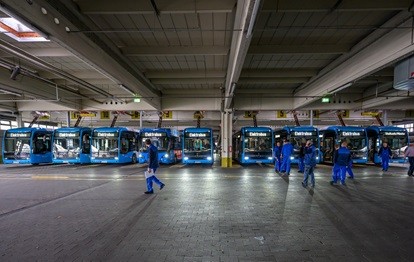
(209, 158)
(186, 158)
(166, 155)
(270, 158)
(116, 158)
(246, 158)
(317, 158)
(291, 158)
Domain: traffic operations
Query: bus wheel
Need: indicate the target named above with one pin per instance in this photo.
(134, 159)
(35, 164)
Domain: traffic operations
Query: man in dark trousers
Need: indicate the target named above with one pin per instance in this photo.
(152, 167)
(385, 154)
(277, 151)
(310, 163)
(342, 157)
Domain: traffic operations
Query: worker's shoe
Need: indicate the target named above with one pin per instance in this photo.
(149, 192)
(162, 186)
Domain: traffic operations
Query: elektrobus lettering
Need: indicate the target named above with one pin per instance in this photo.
(197, 135)
(258, 134)
(351, 133)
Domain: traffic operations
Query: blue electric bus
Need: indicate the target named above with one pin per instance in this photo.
(168, 142)
(27, 145)
(114, 145)
(253, 145)
(72, 145)
(298, 135)
(198, 146)
(355, 136)
(396, 137)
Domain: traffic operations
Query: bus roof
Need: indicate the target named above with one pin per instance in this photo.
(344, 128)
(113, 129)
(386, 128)
(72, 129)
(298, 128)
(169, 131)
(256, 128)
(26, 129)
(197, 129)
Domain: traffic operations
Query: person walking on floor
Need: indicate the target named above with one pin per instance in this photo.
(287, 151)
(341, 158)
(385, 153)
(335, 168)
(301, 158)
(310, 163)
(152, 167)
(409, 152)
(277, 150)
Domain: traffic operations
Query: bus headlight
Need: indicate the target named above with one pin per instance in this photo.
(116, 158)
(166, 155)
(270, 158)
(186, 158)
(291, 158)
(140, 155)
(317, 158)
(246, 158)
(209, 158)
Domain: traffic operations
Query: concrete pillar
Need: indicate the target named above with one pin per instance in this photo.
(311, 117)
(19, 120)
(385, 117)
(226, 138)
(140, 119)
(68, 119)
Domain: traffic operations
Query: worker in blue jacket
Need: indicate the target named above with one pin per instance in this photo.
(277, 151)
(385, 153)
(342, 157)
(335, 168)
(153, 164)
(287, 151)
(301, 158)
(349, 167)
(310, 163)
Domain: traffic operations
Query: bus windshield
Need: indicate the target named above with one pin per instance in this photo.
(162, 143)
(252, 143)
(17, 147)
(395, 142)
(107, 146)
(192, 144)
(355, 142)
(65, 147)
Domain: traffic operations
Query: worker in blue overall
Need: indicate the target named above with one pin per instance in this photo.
(385, 153)
(349, 167)
(310, 163)
(287, 151)
(277, 151)
(335, 168)
(342, 157)
(301, 158)
(153, 164)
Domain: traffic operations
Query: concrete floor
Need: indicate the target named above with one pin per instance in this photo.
(99, 212)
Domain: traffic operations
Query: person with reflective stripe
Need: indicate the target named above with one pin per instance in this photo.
(287, 151)
(385, 153)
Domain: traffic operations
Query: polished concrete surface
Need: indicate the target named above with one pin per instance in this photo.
(99, 213)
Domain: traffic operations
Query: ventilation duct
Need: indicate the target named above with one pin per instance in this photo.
(404, 74)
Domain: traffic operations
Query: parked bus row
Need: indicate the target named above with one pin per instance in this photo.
(255, 144)
(82, 145)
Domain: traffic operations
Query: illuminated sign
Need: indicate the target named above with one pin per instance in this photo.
(197, 134)
(153, 134)
(26, 134)
(66, 134)
(106, 134)
(257, 133)
(304, 133)
(352, 133)
(394, 133)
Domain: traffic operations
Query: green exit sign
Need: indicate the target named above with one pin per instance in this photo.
(326, 99)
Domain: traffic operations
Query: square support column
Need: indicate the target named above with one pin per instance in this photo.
(226, 138)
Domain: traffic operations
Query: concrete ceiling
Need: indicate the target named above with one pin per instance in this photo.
(209, 55)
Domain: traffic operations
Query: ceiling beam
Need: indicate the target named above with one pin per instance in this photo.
(96, 50)
(185, 74)
(268, 80)
(246, 15)
(186, 81)
(164, 6)
(43, 52)
(298, 49)
(280, 72)
(377, 51)
(83, 74)
(174, 50)
(328, 5)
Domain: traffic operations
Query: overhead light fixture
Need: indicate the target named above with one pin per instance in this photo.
(137, 100)
(15, 72)
(326, 100)
(340, 88)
